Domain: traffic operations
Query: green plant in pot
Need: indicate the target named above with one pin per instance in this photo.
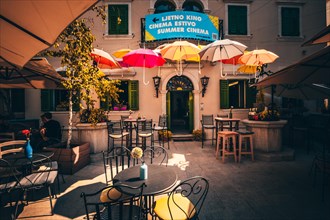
(166, 134)
(197, 134)
(92, 116)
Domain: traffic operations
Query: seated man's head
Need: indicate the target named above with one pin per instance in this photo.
(46, 117)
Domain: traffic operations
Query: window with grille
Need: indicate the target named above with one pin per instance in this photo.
(129, 97)
(237, 19)
(290, 21)
(236, 93)
(118, 19)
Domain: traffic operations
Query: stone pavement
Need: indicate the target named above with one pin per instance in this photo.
(249, 190)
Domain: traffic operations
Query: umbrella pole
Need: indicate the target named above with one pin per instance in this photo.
(144, 72)
(223, 76)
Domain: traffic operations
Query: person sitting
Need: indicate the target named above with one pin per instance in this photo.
(50, 132)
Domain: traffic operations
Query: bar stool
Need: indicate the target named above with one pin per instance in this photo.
(246, 137)
(226, 147)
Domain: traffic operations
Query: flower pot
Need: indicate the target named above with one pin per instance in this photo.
(72, 159)
(116, 108)
(123, 108)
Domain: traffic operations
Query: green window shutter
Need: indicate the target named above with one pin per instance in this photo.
(47, 100)
(237, 20)
(118, 19)
(290, 21)
(133, 96)
(251, 93)
(224, 94)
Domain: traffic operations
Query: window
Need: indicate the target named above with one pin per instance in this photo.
(12, 101)
(290, 21)
(237, 19)
(57, 100)
(162, 6)
(129, 96)
(192, 6)
(236, 93)
(118, 16)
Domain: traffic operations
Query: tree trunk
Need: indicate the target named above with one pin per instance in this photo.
(70, 121)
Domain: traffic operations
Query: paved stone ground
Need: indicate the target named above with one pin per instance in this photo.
(249, 190)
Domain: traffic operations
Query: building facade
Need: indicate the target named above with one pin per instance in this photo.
(280, 26)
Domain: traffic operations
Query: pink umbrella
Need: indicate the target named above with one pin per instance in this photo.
(143, 58)
(104, 60)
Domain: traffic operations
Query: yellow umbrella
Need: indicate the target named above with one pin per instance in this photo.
(247, 69)
(181, 50)
(258, 57)
(120, 53)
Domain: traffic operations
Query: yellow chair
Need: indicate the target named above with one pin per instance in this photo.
(184, 201)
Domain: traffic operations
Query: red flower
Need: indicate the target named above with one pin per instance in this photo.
(26, 132)
(255, 117)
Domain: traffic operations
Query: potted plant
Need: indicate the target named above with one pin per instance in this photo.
(166, 134)
(197, 134)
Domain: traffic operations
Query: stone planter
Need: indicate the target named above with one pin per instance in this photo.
(96, 135)
(267, 134)
(71, 160)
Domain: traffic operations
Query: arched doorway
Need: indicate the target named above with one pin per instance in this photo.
(180, 104)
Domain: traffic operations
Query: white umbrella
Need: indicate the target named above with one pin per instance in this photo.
(220, 50)
(30, 26)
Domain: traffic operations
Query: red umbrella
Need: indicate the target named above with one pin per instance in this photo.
(234, 60)
(143, 58)
(104, 60)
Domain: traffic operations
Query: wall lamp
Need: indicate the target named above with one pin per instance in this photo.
(156, 84)
(204, 81)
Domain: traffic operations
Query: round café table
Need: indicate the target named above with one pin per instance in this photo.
(160, 179)
(19, 159)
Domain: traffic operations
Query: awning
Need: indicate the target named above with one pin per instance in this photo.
(310, 70)
(322, 37)
(37, 74)
(30, 26)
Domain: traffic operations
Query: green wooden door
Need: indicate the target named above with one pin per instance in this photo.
(191, 111)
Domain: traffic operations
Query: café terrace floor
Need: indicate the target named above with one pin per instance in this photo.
(249, 190)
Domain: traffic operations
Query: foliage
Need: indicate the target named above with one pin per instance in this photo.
(167, 134)
(74, 47)
(197, 134)
(265, 115)
(92, 116)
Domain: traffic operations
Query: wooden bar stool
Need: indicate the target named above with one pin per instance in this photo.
(226, 147)
(246, 137)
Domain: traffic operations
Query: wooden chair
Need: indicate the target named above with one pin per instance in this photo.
(226, 137)
(111, 204)
(184, 201)
(7, 136)
(12, 147)
(207, 123)
(245, 144)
